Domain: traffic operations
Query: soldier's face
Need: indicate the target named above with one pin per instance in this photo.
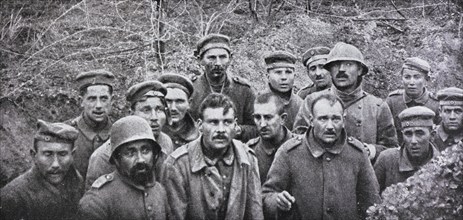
(269, 123)
(452, 118)
(136, 161)
(97, 103)
(319, 75)
(53, 160)
(413, 82)
(327, 121)
(218, 128)
(345, 74)
(215, 62)
(178, 103)
(281, 79)
(153, 111)
(416, 141)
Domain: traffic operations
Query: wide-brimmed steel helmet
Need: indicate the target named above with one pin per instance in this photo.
(345, 52)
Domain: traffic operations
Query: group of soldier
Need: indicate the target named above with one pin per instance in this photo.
(206, 147)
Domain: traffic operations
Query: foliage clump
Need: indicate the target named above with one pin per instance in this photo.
(434, 192)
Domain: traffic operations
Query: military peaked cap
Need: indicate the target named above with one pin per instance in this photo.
(141, 91)
(450, 96)
(55, 132)
(416, 63)
(279, 59)
(95, 77)
(212, 41)
(314, 54)
(177, 81)
(416, 116)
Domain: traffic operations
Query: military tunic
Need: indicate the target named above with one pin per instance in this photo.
(394, 166)
(188, 132)
(399, 101)
(240, 93)
(367, 118)
(99, 161)
(442, 140)
(31, 196)
(290, 106)
(307, 90)
(89, 139)
(327, 183)
(266, 155)
(193, 186)
(114, 197)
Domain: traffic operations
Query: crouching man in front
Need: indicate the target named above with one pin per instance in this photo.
(323, 174)
(130, 192)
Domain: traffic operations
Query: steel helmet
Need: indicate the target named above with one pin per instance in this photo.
(128, 129)
(345, 52)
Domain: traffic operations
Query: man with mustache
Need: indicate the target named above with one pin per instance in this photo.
(131, 191)
(450, 130)
(314, 59)
(51, 189)
(214, 56)
(94, 124)
(280, 74)
(396, 165)
(415, 75)
(214, 176)
(269, 117)
(146, 100)
(323, 174)
(182, 128)
(368, 118)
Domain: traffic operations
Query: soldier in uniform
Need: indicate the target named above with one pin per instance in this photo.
(415, 75)
(214, 176)
(147, 101)
(368, 118)
(131, 191)
(280, 74)
(214, 55)
(397, 164)
(94, 124)
(450, 131)
(323, 174)
(182, 127)
(269, 117)
(314, 59)
(51, 189)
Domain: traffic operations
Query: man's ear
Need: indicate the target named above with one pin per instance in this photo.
(199, 122)
(311, 120)
(284, 117)
(80, 99)
(32, 152)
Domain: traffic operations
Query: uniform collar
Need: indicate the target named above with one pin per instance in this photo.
(270, 150)
(73, 181)
(404, 162)
(350, 98)
(90, 130)
(163, 141)
(227, 158)
(283, 95)
(420, 100)
(207, 85)
(188, 131)
(198, 162)
(443, 135)
(317, 150)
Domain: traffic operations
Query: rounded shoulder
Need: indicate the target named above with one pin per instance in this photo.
(253, 142)
(102, 181)
(180, 152)
(390, 153)
(356, 144)
(371, 99)
(397, 92)
(241, 81)
(292, 143)
(433, 96)
(72, 122)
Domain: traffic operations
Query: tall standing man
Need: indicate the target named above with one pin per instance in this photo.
(214, 176)
(147, 101)
(323, 174)
(94, 124)
(368, 118)
(269, 117)
(280, 74)
(314, 59)
(182, 127)
(214, 55)
(450, 130)
(396, 165)
(51, 189)
(415, 75)
(131, 191)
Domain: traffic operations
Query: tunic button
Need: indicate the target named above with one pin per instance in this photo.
(328, 159)
(146, 194)
(360, 106)
(329, 210)
(149, 208)
(224, 176)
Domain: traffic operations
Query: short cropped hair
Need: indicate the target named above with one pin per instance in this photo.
(332, 99)
(217, 100)
(270, 97)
